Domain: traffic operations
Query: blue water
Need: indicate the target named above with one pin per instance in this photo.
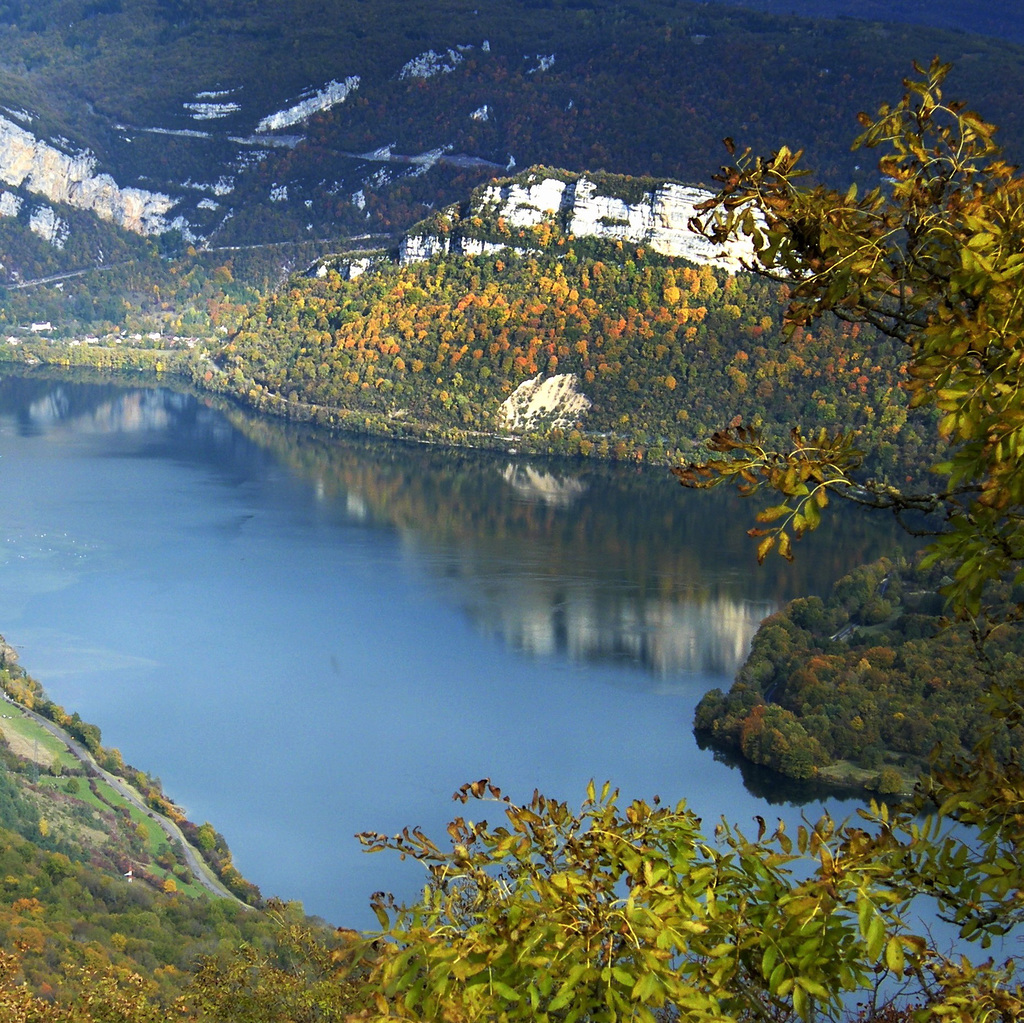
(304, 638)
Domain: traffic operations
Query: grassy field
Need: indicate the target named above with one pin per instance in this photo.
(105, 800)
(30, 741)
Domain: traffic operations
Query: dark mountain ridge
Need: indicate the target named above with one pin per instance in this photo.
(303, 122)
(997, 18)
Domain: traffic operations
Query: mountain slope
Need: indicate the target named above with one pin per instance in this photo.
(93, 888)
(270, 122)
(593, 343)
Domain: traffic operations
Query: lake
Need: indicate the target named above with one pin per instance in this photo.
(307, 636)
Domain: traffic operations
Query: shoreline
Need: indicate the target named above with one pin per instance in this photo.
(194, 369)
(23, 692)
(201, 870)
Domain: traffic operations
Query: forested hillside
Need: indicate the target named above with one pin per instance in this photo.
(862, 687)
(665, 351)
(662, 350)
(98, 907)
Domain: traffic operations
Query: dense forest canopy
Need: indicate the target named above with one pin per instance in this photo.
(662, 349)
(865, 686)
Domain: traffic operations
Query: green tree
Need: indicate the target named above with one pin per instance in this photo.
(305, 977)
(615, 913)
(612, 913)
(932, 257)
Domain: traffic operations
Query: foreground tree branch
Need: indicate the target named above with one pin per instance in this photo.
(933, 257)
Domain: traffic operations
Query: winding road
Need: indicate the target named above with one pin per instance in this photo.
(199, 867)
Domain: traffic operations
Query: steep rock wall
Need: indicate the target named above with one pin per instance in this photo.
(543, 403)
(659, 219)
(26, 162)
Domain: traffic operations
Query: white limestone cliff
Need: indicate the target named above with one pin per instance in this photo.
(659, 219)
(526, 205)
(10, 204)
(476, 247)
(333, 93)
(544, 63)
(416, 248)
(431, 63)
(202, 110)
(27, 162)
(554, 402)
(44, 222)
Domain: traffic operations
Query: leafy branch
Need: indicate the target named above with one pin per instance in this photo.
(933, 257)
(804, 474)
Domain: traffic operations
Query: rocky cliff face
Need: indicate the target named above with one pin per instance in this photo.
(544, 403)
(416, 248)
(26, 162)
(659, 218)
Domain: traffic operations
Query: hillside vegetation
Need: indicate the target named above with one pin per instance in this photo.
(862, 687)
(145, 828)
(97, 907)
(664, 350)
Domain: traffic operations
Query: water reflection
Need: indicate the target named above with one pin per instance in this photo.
(534, 483)
(778, 791)
(130, 412)
(591, 619)
(557, 559)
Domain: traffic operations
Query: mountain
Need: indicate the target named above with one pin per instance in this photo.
(556, 313)
(165, 164)
(242, 123)
(552, 312)
(998, 18)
